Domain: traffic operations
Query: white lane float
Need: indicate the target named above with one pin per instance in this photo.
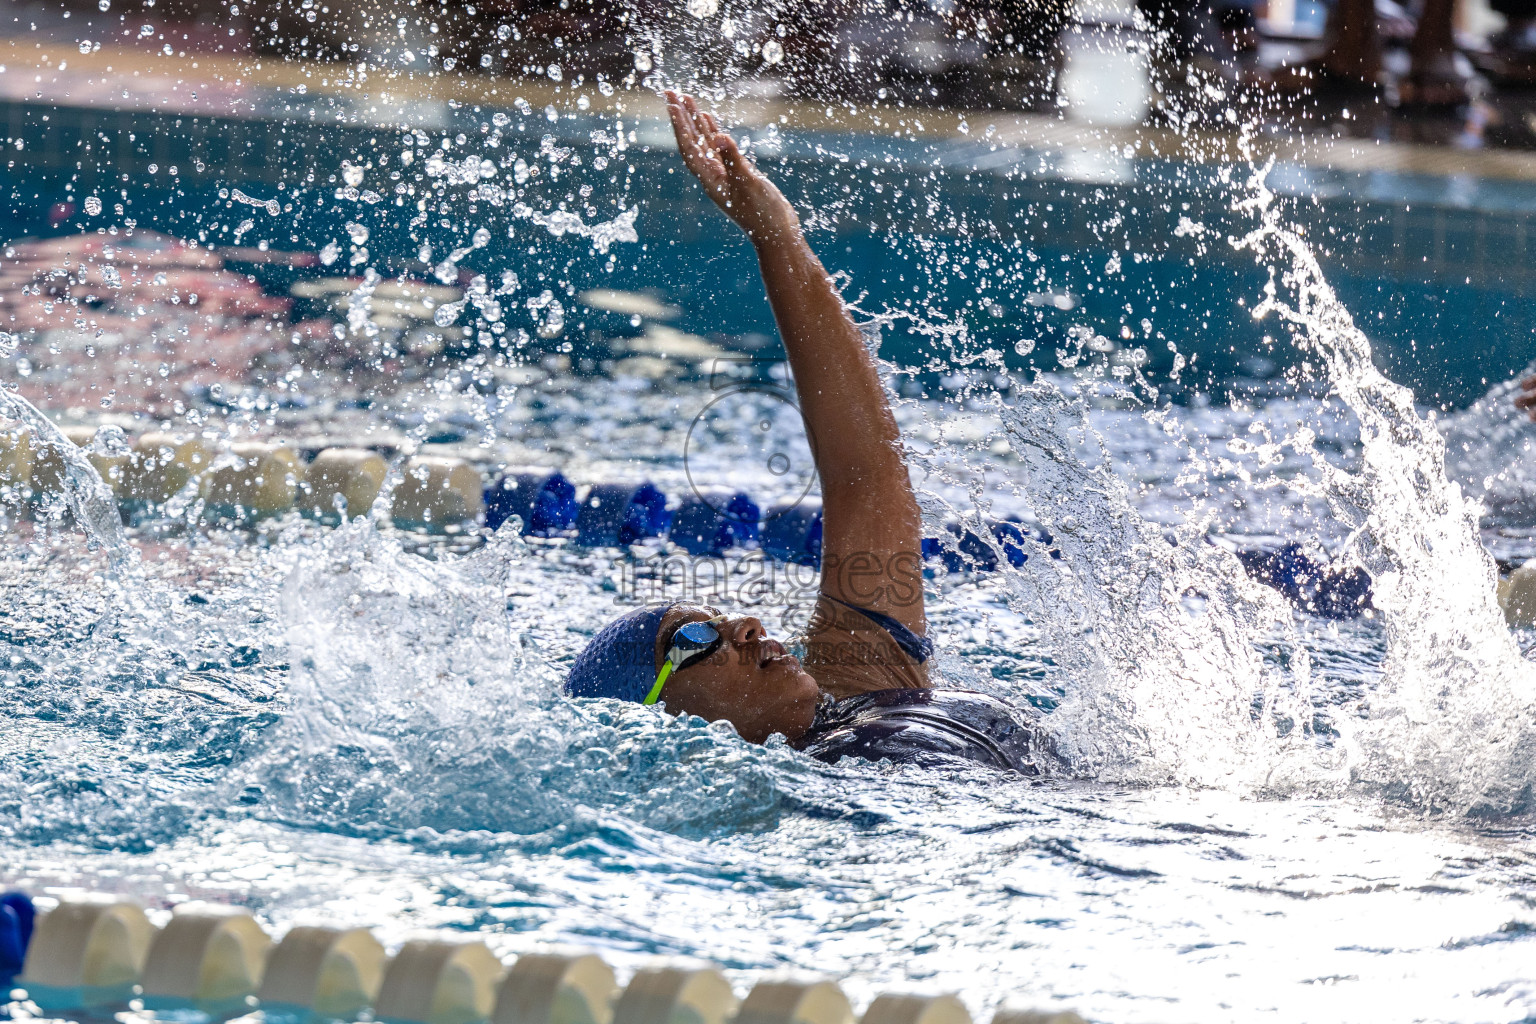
(343, 482)
(557, 988)
(85, 953)
(916, 1009)
(676, 994)
(795, 1001)
(208, 957)
(331, 972)
(430, 982)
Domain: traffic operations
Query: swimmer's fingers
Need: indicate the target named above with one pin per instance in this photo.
(700, 119)
(730, 154)
(1525, 399)
(709, 128)
(682, 125)
(725, 145)
(698, 156)
(693, 140)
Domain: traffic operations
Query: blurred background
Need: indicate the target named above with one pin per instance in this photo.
(1460, 72)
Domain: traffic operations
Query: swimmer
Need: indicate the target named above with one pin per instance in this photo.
(1526, 399)
(863, 689)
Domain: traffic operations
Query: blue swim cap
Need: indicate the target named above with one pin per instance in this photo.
(620, 661)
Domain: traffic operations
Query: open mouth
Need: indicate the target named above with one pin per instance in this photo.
(774, 652)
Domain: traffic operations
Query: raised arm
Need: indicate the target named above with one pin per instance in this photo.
(871, 540)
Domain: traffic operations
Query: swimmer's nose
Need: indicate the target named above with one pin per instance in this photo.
(747, 630)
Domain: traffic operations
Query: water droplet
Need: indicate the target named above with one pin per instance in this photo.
(357, 233)
(85, 46)
(8, 344)
(109, 441)
(702, 9)
(104, 5)
(554, 72)
(482, 238)
(93, 205)
(329, 253)
(1025, 346)
(351, 174)
(773, 52)
(643, 61)
(447, 313)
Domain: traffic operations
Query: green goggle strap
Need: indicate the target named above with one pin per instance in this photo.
(661, 680)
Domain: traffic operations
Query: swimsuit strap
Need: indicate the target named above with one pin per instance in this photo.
(918, 648)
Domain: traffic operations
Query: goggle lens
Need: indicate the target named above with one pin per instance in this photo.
(693, 641)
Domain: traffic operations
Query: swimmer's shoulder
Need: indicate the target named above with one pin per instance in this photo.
(851, 650)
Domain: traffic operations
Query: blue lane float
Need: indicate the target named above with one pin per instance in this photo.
(967, 550)
(713, 522)
(16, 918)
(1324, 590)
(544, 499)
(792, 533)
(618, 515)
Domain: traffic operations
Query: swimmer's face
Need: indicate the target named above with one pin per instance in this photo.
(751, 681)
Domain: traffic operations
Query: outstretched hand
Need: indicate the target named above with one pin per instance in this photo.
(1526, 399)
(730, 179)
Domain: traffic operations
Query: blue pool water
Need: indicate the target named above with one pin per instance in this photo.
(1269, 816)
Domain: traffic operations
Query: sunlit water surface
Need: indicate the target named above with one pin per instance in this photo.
(320, 725)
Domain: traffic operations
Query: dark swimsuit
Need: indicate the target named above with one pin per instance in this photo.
(926, 727)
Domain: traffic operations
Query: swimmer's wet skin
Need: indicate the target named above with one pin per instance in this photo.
(863, 689)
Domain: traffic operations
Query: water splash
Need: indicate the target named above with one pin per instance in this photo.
(1172, 665)
(1452, 723)
(1159, 631)
(1489, 452)
(89, 498)
(418, 700)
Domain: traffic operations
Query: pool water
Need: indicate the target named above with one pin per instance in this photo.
(321, 725)
(1267, 816)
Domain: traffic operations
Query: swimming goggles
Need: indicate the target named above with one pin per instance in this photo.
(693, 641)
